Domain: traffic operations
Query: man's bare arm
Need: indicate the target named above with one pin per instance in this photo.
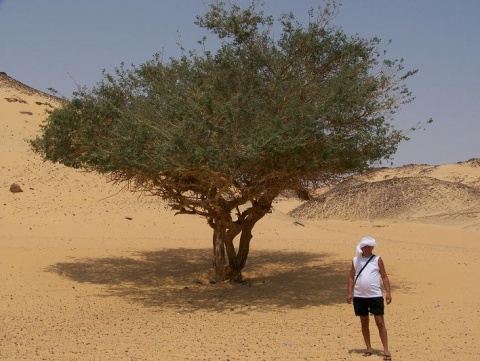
(385, 280)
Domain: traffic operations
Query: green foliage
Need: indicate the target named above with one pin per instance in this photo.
(211, 131)
(53, 91)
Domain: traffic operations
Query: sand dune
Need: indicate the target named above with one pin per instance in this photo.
(423, 199)
(465, 172)
(90, 272)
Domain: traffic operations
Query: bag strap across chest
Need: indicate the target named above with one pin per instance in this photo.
(365, 265)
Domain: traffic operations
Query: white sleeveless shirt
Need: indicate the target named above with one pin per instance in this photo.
(368, 283)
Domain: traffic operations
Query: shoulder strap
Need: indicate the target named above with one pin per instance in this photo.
(358, 274)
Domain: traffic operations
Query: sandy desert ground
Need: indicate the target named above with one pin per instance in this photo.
(89, 272)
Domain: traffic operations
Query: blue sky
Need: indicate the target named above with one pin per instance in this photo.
(64, 43)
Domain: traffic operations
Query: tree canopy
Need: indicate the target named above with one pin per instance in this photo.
(222, 133)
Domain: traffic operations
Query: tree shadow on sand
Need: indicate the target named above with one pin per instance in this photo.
(178, 278)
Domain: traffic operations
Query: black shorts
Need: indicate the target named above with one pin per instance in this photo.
(363, 306)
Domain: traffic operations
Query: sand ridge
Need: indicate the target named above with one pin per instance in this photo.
(419, 199)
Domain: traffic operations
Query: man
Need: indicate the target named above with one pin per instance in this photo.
(365, 291)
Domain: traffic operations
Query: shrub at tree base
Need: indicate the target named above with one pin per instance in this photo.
(221, 134)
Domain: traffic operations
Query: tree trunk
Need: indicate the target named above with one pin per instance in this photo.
(219, 261)
(226, 268)
(227, 262)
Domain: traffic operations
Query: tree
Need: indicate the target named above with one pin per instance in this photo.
(221, 134)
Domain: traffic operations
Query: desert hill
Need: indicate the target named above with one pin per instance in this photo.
(22, 109)
(420, 199)
(55, 198)
(441, 194)
(11, 85)
(466, 172)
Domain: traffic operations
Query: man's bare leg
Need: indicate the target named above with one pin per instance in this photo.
(364, 320)
(382, 329)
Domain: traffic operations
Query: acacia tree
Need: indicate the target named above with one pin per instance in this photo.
(221, 134)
